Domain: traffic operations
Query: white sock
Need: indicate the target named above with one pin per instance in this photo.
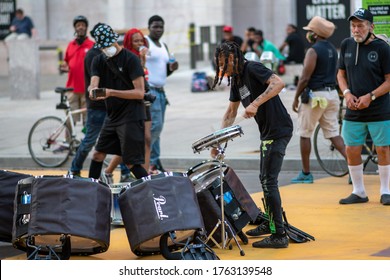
(384, 175)
(356, 173)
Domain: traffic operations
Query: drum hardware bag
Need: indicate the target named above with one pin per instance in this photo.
(193, 249)
(240, 210)
(61, 215)
(156, 206)
(8, 183)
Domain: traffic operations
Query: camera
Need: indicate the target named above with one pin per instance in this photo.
(98, 92)
(149, 97)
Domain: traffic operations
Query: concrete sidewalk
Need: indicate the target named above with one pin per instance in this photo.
(190, 117)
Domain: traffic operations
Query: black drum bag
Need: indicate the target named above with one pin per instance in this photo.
(158, 206)
(76, 207)
(8, 183)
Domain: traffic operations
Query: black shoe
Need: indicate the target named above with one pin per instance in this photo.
(159, 166)
(353, 198)
(272, 241)
(259, 230)
(385, 199)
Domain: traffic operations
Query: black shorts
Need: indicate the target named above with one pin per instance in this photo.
(126, 140)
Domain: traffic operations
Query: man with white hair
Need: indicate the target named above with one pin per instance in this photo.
(364, 79)
(319, 98)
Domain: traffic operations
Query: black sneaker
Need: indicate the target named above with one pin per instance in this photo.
(272, 241)
(159, 166)
(259, 230)
(385, 199)
(353, 198)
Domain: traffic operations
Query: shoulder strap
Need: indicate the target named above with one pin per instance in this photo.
(116, 72)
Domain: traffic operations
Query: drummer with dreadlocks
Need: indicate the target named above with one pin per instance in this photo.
(257, 88)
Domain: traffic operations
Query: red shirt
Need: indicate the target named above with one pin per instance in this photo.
(74, 56)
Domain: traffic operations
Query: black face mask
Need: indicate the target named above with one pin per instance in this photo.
(80, 40)
(368, 37)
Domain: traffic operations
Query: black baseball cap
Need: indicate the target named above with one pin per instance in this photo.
(362, 14)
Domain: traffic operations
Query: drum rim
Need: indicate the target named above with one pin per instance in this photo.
(211, 139)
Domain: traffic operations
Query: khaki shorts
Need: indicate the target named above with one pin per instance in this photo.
(77, 101)
(308, 117)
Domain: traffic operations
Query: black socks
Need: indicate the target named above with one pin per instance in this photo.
(139, 171)
(95, 169)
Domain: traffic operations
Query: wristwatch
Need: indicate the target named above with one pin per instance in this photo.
(373, 97)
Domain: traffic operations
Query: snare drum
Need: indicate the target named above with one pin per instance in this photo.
(217, 138)
(155, 205)
(204, 173)
(116, 216)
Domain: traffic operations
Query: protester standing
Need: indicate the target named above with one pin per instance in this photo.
(320, 101)
(74, 64)
(256, 88)
(160, 64)
(364, 79)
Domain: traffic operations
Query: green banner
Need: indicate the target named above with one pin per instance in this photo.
(381, 12)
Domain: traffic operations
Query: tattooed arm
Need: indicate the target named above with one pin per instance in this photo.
(275, 86)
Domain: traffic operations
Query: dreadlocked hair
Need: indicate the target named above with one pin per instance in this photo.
(224, 50)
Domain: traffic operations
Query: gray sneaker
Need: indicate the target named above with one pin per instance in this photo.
(107, 178)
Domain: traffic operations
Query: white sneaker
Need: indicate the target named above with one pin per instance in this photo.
(107, 178)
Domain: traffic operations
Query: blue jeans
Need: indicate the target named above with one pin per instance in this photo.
(157, 111)
(271, 159)
(95, 120)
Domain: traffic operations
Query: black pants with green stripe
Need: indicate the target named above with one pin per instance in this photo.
(272, 153)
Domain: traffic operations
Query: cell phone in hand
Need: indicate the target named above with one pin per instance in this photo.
(99, 92)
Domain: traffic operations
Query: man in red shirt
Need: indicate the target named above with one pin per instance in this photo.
(74, 64)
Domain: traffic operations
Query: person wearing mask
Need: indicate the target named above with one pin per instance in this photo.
(134, 41)
(118, 79)
(160, 65)
(257, 88)
(320, 101)
(74, 64)
(364, 79)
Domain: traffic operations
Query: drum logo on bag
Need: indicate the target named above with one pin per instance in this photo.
(158, 201)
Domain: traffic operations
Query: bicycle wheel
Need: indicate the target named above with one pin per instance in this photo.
(48, 142)
(328, 157)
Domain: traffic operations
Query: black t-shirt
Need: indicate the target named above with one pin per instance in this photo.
(120, 110)
(91, 104)
(366, 70)
(272, 118)
(296, 48)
